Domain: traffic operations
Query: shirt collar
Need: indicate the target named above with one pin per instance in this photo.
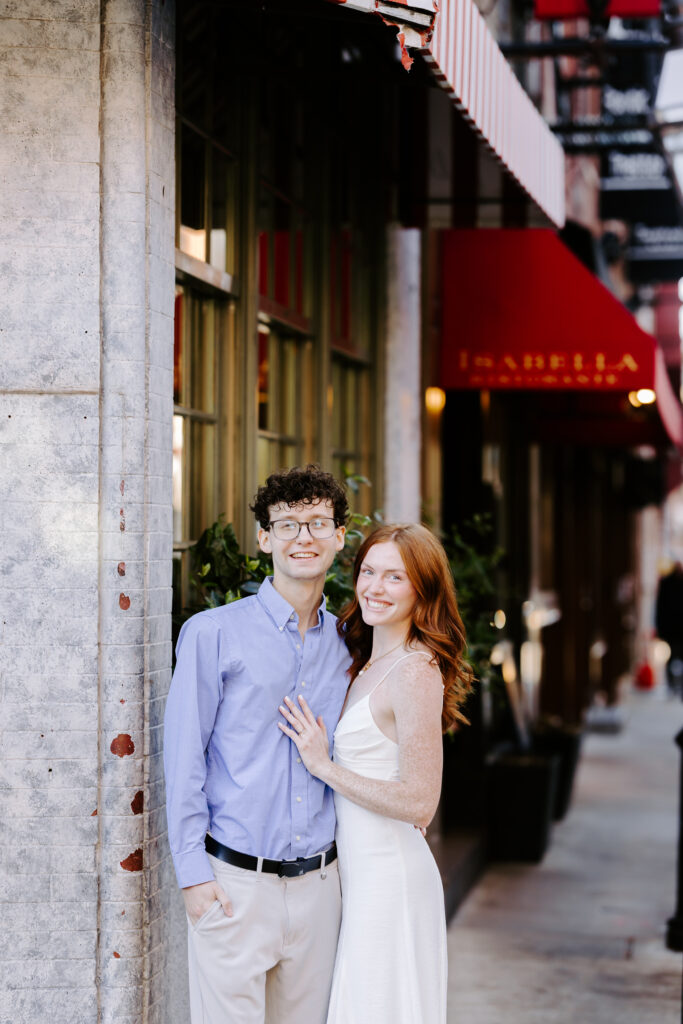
(279, 609)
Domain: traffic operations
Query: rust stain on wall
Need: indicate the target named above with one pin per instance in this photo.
(137, 804)
(122, 524)
(124, 602)
(122, 486)
(117, 955)
(133, 861)
(94, 813)
(122, 745)
(121, 568)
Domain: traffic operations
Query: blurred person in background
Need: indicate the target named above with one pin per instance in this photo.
(669, 625)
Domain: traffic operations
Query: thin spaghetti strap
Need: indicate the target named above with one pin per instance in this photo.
(397, 662)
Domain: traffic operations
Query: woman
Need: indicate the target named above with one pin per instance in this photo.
(408, 680)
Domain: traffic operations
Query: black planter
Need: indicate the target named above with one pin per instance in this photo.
(521, 792)
(563, 741)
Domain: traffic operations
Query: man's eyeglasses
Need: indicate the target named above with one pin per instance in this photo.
(289, 529)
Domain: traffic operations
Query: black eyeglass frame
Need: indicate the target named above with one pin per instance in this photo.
(328, 519)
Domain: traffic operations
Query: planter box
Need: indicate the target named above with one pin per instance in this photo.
(521, 793)
(565, 743)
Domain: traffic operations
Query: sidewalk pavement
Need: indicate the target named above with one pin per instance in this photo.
(579, 939)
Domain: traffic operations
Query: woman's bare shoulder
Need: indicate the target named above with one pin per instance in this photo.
(416, 676)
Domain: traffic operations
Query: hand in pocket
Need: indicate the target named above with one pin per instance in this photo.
(200, 898)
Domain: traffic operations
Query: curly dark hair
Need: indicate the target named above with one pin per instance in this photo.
(299, 487)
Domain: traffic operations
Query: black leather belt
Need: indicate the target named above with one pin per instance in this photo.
(283, 868)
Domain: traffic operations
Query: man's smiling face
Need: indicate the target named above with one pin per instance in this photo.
(306, 557)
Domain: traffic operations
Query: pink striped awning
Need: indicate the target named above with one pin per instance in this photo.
(470, 66)
(454, 40)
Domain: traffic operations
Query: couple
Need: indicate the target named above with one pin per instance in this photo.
(259, 686)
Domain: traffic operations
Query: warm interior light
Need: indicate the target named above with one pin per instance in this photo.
(531, 662)
(645, 396)
(499, 619)
(634, 400)
(497, 654)
(661, 652)
(193, 242)
(509, 669)
(435, 399)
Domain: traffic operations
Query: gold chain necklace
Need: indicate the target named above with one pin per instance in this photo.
(367, 664)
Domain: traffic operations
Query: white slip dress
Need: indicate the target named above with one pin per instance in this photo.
(391, 965)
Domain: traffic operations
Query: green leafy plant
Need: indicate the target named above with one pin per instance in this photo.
(339, 580)
(221, 572)
(473, 558)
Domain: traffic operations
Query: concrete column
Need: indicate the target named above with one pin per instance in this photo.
(136, 393)
(49, 460)
(403, 396)
(86, 391)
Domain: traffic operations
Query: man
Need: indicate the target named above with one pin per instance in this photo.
(261, 890)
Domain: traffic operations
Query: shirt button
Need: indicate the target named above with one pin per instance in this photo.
(298, 647)
(298, 760)
(280, 628)
(303, 684)
(298, 799)
(298, 838)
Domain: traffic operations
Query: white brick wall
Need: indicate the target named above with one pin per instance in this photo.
(86, 221)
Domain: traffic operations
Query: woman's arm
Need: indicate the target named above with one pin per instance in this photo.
(416, 696)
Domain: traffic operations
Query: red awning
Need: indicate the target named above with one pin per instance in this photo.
(521, 312)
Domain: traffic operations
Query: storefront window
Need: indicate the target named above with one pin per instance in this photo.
(268, 182)
(201, 341)
(208, 130)
(285, 382)
(223, 227)
(283, 212)
(281, 252)
(352, 427)
(192, 232)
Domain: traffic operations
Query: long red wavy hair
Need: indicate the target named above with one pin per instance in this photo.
(436, 621)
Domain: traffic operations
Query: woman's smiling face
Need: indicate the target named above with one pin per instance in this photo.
(385, 594)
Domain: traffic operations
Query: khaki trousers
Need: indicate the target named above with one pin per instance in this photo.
(272, 962)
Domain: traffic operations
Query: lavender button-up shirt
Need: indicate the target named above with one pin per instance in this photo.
(229, 769)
